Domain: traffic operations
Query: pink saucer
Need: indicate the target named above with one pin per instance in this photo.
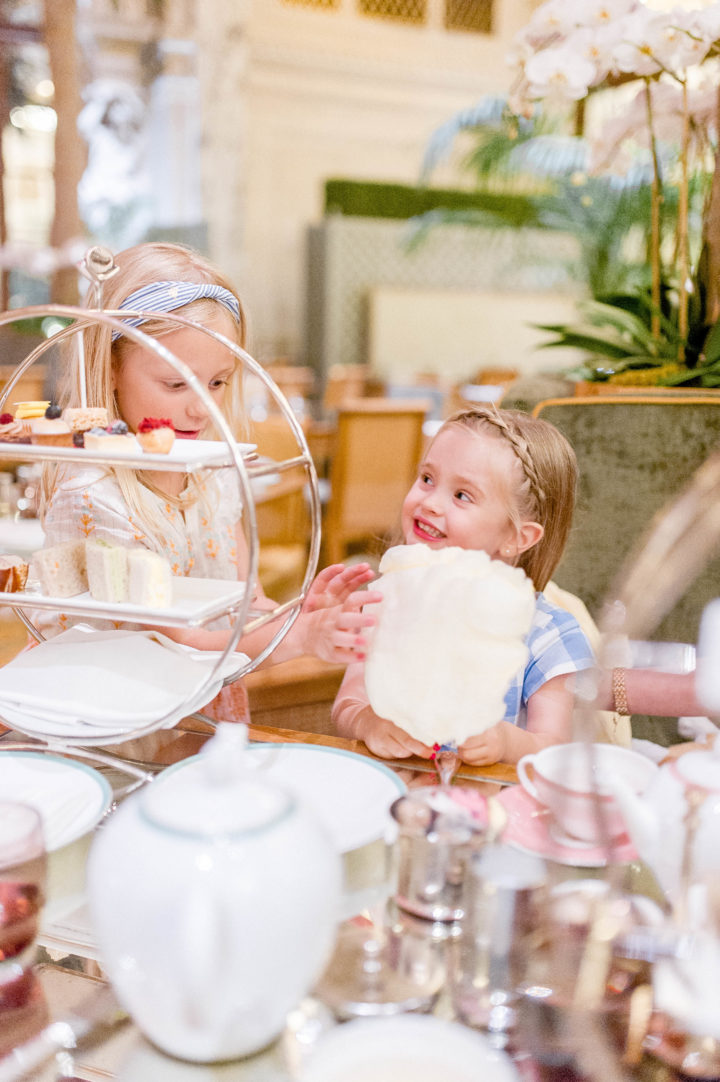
(530, 827)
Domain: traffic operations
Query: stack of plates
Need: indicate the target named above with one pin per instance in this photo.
(93, 687)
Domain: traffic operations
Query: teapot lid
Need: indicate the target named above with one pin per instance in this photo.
(215, 793)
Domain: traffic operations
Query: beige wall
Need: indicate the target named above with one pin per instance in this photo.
(293, 96)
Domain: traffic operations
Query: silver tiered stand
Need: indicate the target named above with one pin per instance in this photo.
(98, 266)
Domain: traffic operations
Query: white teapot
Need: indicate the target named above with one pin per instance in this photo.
(679, 808)
(214, 897)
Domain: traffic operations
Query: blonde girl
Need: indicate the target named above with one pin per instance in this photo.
(503, 482)
(193, 521)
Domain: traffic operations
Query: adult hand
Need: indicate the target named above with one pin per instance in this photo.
(487, 747)
(334, 585)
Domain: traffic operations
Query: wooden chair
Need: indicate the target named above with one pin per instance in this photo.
(346, 382)
(378, 446)
(282, 514)
(634, 454)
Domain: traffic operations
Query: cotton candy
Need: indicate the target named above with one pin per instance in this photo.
(450, 637)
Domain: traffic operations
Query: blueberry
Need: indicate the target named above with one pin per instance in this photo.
(118, 428)
(78, 439)
(53, 412)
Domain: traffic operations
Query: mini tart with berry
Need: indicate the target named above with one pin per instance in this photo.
(115, 438)
(156, 435)
(12, 430)
(50, 430)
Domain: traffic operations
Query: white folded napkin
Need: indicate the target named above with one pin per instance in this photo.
(109, 678)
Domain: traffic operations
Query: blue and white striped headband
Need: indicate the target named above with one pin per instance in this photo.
(166, 296)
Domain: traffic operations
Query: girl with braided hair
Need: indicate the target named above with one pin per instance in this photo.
(502, 482)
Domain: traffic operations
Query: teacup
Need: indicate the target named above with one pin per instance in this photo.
(571, 780)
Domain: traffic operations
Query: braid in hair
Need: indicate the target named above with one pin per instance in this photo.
(549, 469)
(493, 416)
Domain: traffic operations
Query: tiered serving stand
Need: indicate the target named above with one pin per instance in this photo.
(197, 602)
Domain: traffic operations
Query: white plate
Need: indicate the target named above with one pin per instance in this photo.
(350, 793)
(194, 601)
(70, 796)
(186, 455)
(409, 1048)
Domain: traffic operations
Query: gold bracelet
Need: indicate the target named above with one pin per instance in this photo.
(619, 691)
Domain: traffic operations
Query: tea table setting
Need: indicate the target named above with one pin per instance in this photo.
(421, 881)
(222, 901)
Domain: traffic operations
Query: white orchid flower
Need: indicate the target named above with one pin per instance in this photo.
(705, 23)
(595, 45)
(550, 21)
(559, 72)
(599, 13)
(643, 48)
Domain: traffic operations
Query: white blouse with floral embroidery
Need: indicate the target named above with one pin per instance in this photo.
(199, 540)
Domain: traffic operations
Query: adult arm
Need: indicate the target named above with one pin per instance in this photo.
(659, 694)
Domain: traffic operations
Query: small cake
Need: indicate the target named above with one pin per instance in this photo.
(156, 435)
(115, 438)
(83, 418)
(107, 571)
(12, 431)
(149, 579)
(13, 574)
(61, 569)
(50, 430)
(26, 410)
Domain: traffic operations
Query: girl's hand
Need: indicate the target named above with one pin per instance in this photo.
(335, 584)
(337, 634)
(487, 747)
(387, 740)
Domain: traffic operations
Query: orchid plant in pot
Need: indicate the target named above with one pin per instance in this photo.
(665, 62)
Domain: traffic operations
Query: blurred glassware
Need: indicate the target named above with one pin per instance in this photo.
(22, 895)
(437, 836)
(505, 901)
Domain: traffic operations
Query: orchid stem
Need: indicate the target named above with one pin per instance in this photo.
(655, 200)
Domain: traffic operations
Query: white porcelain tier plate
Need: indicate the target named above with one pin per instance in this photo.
(195, 601)
(184, 455)
(70, 796)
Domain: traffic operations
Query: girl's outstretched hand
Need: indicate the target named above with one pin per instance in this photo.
(334, 585)
(338, 633)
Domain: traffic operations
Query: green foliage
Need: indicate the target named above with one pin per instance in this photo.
(617, 333)
(368, 199)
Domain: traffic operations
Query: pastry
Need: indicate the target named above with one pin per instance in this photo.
(149, 579)
(82, 418)
(61, 569)
(115, 438)
(25, 410)
(13, 574)
(50, 429)
(107, 571)
(12, 431)
(156, 435)
(449, 639)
